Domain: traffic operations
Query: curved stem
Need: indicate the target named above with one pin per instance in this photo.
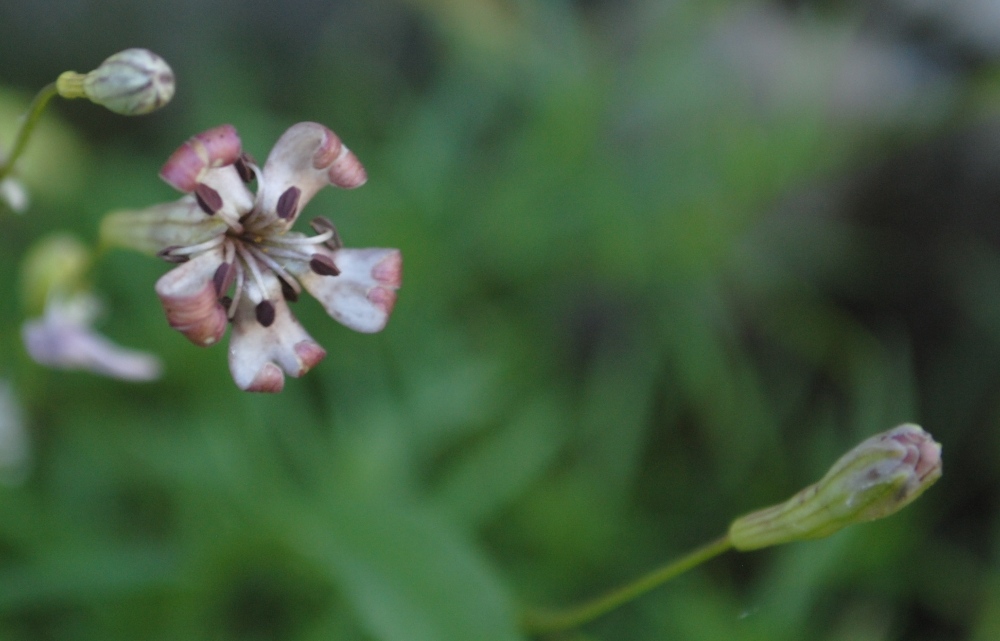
(35, 110)
(538, 622)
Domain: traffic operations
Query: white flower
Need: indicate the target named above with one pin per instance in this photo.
(240, 262)
(15, 451)
(63, 339)
(13, 193)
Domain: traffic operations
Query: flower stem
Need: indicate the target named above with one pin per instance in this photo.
(539, 622)
(35, 110)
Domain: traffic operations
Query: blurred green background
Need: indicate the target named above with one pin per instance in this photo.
(664, 262)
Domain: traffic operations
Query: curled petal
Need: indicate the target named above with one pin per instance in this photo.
(210, 149)
(64, 344)
(363, 295)
(259, 353)
(151, 230)
(190, 300)
(307, 157)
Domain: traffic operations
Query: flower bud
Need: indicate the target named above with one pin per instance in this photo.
(875, 479)
(132, 82)
(55, 265)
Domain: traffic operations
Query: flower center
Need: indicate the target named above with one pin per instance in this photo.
(249, 256)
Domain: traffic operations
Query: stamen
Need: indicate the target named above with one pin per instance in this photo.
(286, 290)
(322, 225)
(288, 203)
(214, 241)
(251, 264)
(230, 252)
(282, 252)
(275, 266)
(167, 254)
(324, 265)
(298, 239)
(237, 290)
(265, 313)
(243, 166)
(235, 224)
(208, 199)
(223, 278)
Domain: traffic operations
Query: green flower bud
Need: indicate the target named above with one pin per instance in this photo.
(877, 478)
(55, 265)
(132, 82)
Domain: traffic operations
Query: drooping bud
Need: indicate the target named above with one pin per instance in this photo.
(875, 479)
(132, 82)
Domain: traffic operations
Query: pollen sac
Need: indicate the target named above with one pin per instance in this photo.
(167, 254)
(208, 199)
(244, 167)
(288, 291)
(131, 82)
(223, 278)
(323, 265)
(321, 225)
(288, 203)
(265, 313)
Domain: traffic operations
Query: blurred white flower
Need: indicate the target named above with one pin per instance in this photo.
(14, 449)
(62, 338)
(13, 193)
(792, 65)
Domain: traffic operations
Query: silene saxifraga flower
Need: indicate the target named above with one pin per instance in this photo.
(878, 477)
(238, 260)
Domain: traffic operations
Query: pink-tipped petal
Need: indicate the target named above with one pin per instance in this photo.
(347, 172)
(268, 379)
(309, 354)
(389, 270)
(308, 157)
(258, 354)
(210, 149)
(363, 295)
(190, 300)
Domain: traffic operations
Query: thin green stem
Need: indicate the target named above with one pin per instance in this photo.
(35, 110)
(539, 622)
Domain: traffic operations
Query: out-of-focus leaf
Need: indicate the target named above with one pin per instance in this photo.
(504, 463)
(410, 575)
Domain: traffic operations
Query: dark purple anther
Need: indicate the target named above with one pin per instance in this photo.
(288, 291)
(243, 166)
(322, 225)
(208, 199)
(265, 313)
(288, 203)
(166, 255)
(223, 277)
(323, 265)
